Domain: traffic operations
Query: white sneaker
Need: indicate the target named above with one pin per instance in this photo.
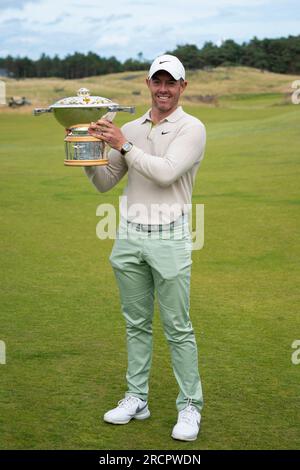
(188, 424)
(128, 408)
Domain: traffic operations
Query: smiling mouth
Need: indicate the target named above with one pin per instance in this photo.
(163, 98)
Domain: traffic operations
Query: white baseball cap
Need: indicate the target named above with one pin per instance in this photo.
(170, 64)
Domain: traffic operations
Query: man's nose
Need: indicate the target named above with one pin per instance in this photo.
(163, 87)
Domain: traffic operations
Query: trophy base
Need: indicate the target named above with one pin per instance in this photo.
(85, 162)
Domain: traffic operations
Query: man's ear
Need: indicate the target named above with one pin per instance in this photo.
(183, 85)
(147, 82)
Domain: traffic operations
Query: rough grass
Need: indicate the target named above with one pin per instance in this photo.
(221, 81)
(60, 313)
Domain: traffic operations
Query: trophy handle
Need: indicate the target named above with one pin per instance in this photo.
(126, 109)
(38, 111)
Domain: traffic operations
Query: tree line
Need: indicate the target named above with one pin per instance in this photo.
(281, 55)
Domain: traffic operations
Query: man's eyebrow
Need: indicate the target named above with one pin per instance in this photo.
(169, 80)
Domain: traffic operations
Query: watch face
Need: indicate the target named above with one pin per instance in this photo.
(127, 146)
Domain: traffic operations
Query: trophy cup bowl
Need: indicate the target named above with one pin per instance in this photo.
(75, 114)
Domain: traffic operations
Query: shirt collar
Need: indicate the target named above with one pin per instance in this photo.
(175, 116)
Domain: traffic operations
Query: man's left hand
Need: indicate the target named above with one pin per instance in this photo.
(107, 131)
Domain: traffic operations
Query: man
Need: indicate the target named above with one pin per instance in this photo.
(161, 151)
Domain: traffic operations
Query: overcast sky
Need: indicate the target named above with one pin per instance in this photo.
(124, 28)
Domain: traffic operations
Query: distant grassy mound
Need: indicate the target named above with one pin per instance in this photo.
(222, 86)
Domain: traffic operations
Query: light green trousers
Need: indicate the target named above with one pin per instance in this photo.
(144, 263)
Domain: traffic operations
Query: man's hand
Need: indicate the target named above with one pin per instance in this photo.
(107, 131)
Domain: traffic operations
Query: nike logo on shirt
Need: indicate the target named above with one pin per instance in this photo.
(163, 133)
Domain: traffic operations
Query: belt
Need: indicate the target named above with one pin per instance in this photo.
(156, 227)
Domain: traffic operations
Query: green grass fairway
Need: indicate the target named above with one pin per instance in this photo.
(60, 312)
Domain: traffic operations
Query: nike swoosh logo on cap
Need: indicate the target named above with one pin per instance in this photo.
(164, 61)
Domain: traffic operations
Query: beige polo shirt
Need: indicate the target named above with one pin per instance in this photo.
(161, 167)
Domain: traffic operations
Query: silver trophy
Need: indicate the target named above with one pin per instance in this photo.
(75, 114)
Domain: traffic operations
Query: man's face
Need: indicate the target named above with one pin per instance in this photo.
(165, 91)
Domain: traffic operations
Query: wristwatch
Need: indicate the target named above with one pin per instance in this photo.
(126, 148)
